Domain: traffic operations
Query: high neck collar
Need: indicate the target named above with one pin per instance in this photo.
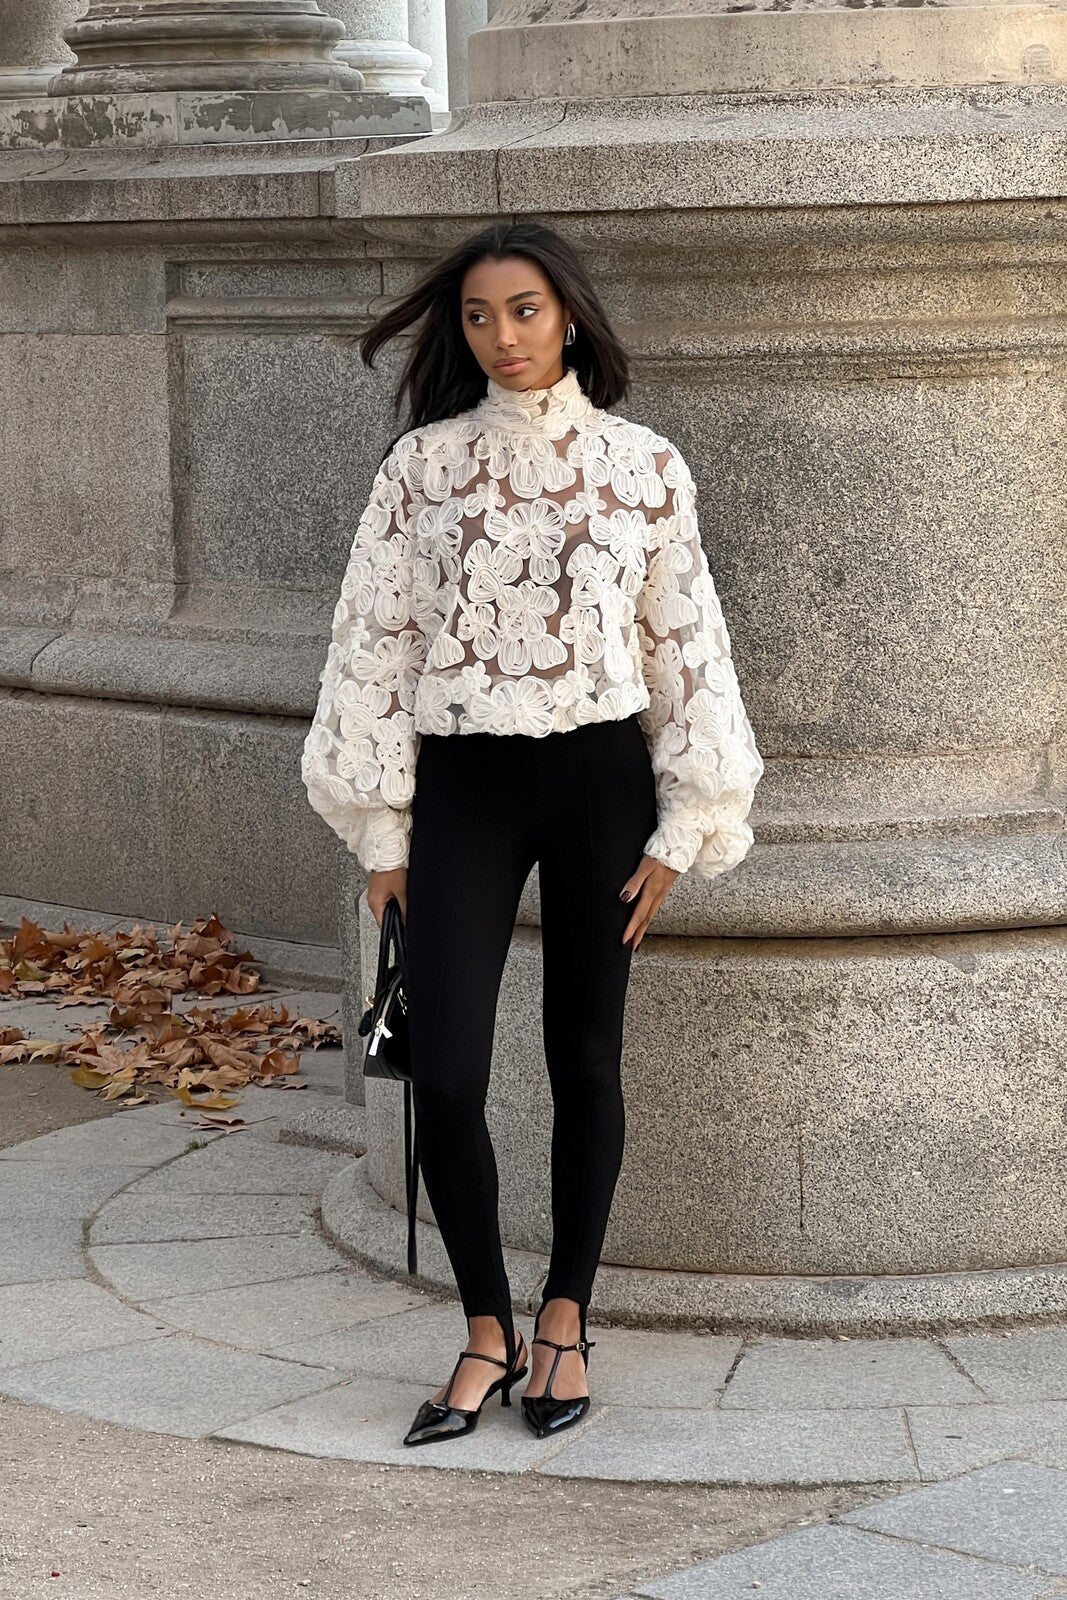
(554, 409)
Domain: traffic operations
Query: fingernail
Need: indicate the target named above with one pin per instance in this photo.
(626, 894)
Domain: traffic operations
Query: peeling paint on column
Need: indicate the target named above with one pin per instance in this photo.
(28, 128)
(158, 120)
(299, 116)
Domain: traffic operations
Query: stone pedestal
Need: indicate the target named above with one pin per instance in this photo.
(197, 72)
(242, 45)
(835, 242)
(609, 49)
(31, 49)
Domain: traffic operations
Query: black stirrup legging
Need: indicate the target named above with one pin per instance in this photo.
(487, 806)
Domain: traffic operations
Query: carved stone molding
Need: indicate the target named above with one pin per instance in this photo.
(243, 45)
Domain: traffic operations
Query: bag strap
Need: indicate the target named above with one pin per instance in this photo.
(411, 1176)
(392, 934)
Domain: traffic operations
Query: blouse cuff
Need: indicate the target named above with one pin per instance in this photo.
(383, 841)
(674, 844)
(684, 848)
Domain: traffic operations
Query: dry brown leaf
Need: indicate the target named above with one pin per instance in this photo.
(32, 1050)
(86, 1078)
(315, 1033)
(203, 1056)
(207, 1098)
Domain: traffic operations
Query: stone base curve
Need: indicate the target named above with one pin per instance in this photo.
(360, 1222)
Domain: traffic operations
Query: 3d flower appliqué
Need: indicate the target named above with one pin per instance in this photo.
(528, 567)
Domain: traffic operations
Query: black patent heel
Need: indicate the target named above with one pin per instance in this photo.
(544, 1413)
(437, 1419)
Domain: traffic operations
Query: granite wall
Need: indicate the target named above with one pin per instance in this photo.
(872, 399)
(872, 395)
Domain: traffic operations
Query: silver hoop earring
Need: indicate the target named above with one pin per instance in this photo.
(568, 337)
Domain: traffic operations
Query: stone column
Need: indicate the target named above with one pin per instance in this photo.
(376, 44)
(428, 31)
(464, 18)
(834, 238)
(31, 47)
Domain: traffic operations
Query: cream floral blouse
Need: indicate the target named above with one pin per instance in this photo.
(525, 567)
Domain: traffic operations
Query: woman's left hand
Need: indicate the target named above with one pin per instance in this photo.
(651, 884)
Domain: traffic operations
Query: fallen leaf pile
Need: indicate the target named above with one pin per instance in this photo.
(202, 1055)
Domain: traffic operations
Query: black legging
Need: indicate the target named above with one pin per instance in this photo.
(580, 803)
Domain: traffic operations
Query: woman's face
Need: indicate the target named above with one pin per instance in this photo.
(514, 322)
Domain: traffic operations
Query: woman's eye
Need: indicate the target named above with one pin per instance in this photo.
(521, 309)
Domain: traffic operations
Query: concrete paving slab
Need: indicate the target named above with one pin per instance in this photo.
(41, 1189)
(43, 1019)
(835, 1563)
(831, 1374)
(148, 1218)
(633, 1368)
(1025, 1364)
(1014, 1511)
(272, 1118)
(121, 1140)
(324, 1005)
(278, 1103)
(236, 1164)
(159, 1271)
(644, 1368)
(366, 1419)
(418, 1346)
(41, 1321)
(255, 1105)
(331, 1126)
(1051, 1451)
(323, 1071)
(284, 1318)
(40, 1251)
(784, 1447)
(953, 1439)
(168, 1385)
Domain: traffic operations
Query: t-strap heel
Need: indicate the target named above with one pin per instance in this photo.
(544, 1414)
(437, 1419)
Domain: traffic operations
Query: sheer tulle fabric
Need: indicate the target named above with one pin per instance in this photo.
(526, 567)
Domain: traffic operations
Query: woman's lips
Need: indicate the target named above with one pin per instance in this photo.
(511, 366)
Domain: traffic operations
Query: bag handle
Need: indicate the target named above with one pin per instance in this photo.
(392, 934)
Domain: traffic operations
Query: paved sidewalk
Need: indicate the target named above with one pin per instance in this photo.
(190, 1292)
(999, 1533)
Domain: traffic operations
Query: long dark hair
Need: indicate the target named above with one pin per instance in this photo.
(441, 376)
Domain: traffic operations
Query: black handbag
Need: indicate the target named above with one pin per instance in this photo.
(388, 1052)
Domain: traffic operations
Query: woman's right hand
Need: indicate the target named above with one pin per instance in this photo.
(382, 886)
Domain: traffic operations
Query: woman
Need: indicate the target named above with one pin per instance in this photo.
(529, 664)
